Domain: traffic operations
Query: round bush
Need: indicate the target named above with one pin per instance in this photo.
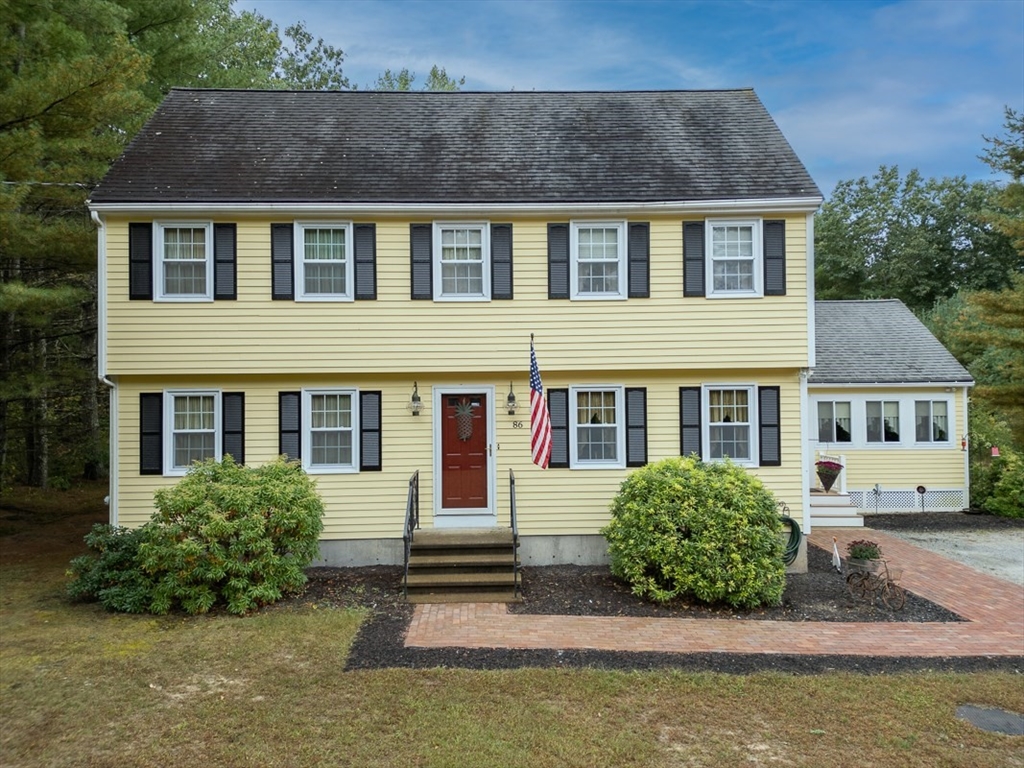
(681, 527)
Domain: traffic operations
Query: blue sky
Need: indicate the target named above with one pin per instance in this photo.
(852, 84)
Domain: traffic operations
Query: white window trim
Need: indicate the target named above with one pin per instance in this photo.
(859, 422)
(160, 293)
(299, 258)
(757, 235)
(754, 422)
(814, 421)
(574, 276)
(168, 426)
(485, 252)
(575, 462)
(950, 416)
(307, 432)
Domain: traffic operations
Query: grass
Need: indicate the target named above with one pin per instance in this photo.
(80, 687)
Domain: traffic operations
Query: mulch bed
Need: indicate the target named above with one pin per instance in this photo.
(818, 595)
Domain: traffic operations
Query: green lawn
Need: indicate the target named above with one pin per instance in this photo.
(83, 687)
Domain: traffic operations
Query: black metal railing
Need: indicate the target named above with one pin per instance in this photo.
(412, 522)
(515, 529)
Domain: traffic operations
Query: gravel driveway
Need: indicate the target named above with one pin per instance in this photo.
(990, 545)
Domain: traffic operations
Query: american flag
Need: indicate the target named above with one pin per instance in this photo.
(540, 419)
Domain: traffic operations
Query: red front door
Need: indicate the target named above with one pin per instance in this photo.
(464, 451)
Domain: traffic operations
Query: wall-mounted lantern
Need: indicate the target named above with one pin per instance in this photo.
(510, 401)
(415, 403)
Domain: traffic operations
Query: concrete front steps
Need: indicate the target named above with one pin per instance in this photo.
(463, 565)
(834, 510)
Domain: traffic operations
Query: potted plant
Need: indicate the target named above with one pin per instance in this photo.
(863, 555)
(828, 471)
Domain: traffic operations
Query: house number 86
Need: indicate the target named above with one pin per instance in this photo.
(517, 425)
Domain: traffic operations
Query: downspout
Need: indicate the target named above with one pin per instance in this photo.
(101, 361)
(805, 453)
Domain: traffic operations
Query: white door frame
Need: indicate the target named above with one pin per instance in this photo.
(468, 518)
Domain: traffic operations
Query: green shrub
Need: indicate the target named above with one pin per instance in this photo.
(224, 534)
(111, 575)
(681, 527)
(1007, 497)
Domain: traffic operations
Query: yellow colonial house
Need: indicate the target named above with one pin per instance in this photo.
(352, 279)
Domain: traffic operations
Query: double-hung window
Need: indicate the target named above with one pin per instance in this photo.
(331, 419)
(323, 261)
(462, 268)
(731, 419)
(736, 264)
(883, 421)
(194, 434)
(184, 254)
(931, 421)
(834, 422)
(596, 416)
(598, 260)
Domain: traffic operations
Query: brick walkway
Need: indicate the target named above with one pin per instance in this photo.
(994, 609)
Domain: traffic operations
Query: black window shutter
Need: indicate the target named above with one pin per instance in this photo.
(690, 422)
(140, 261)
(558, 263)
(225, 281)
(151, 439)
(770, 437)
(693, 258)
(501, 261)
(232, 414)
(636, 426)
(558, 407)
(639, 257)
(369, 431)
(365, 248)
(282, 245)
(421, 245)
(774, 243)
(289, 416)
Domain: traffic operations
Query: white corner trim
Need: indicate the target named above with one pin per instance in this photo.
(101, 295)
(114, 447)
(806, 454)
(812, 355)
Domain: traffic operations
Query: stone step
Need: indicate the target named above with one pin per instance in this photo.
(459, 559)
(830, 519)
(460, 579)
(505, 596)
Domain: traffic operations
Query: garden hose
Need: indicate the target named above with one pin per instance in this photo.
(795, 536)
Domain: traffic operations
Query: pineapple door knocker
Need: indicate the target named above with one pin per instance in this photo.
(464, 419)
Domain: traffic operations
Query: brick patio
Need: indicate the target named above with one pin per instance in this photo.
(994, 610)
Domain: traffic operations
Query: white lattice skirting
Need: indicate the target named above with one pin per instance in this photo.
(909, 500)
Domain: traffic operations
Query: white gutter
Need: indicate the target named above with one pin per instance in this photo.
(806, 450)
(891, 385)
(812, 354)
(101, 359)
(789, 205)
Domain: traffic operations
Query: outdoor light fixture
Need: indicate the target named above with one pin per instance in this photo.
(415, 404)
(511, 401)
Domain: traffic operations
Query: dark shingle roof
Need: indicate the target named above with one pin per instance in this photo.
(869, 342)
(386, 147)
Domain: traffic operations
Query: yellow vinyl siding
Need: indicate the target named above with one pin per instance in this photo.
(371, 505)
(393, 334)
(906, 465)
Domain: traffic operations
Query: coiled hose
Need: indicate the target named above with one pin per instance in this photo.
(795, 534)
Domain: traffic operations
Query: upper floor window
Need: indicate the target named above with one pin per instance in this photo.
(323, 263)
(883, 421)
(184, 255)
(931, 419)
(462, 265)
(596, 426)
(834, 422)
(598, 260)
(736, 258)
(731, 419)
(329, 438)
(194, 433)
